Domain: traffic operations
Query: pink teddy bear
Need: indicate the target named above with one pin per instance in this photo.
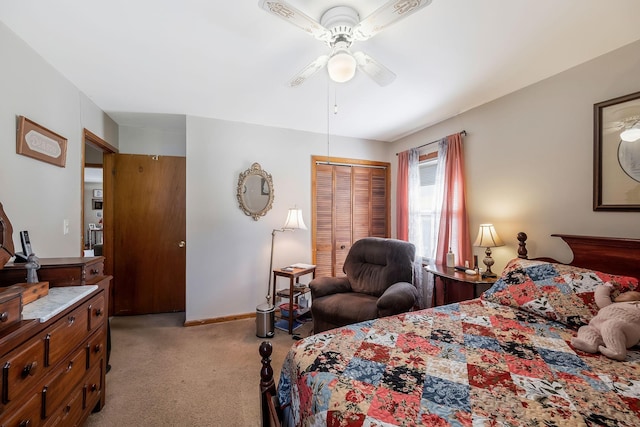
(615, 328)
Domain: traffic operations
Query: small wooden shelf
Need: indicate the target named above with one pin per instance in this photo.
(295, 289)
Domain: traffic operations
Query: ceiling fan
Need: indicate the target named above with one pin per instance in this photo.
(339, 27)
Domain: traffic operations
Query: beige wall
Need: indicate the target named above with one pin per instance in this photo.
(227, 251)
(38, 196)
(529, 157)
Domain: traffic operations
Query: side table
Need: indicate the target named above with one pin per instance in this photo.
(464, 286)
(294, 286)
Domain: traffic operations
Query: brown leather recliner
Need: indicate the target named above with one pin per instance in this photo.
(379, 283)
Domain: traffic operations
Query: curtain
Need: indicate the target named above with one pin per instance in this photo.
(408, 224)
(402, 197)
(453, 229)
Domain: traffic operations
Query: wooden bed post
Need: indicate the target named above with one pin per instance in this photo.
(522, 245)
(269, 413)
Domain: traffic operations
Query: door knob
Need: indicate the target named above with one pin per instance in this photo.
(182, 244)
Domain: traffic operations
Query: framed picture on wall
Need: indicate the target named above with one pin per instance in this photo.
(616, 154)
(40, 143)
(96, 204)
(97, 193)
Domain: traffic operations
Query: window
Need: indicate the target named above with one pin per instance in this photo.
(428, 220)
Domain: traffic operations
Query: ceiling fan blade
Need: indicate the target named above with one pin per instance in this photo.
(372, 68)
(387, 14)
(285, 11)
(309, 70)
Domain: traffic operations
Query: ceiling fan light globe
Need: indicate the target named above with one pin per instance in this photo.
(341, 67)
(631, 135)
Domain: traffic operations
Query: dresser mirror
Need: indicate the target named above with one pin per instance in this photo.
(6, 238)
(255, 191)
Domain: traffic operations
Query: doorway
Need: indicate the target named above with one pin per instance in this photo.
(93, 151)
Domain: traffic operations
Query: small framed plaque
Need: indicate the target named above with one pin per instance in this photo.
(40, 143)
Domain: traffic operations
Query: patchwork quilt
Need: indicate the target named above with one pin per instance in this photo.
(475, 363)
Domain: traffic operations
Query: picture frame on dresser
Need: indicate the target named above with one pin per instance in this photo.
(616, 159)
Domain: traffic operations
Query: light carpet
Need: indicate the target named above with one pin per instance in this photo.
(165, 374)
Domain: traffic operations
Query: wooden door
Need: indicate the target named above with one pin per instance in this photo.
(370, 202)
(350, 200)
(149, 232)
(323, 220)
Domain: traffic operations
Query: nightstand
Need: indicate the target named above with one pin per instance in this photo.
(451, 285)
(295, 289)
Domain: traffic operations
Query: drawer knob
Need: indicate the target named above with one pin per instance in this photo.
(30, 369)
(71, 320)
(98, 312)
(25, 423)
(93, 387)
(97, 348)
(4, 316)
(70, 366)
(94, 271)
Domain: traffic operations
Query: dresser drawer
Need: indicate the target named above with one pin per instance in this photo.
(10, 309)
(65, 334)
(27, 414)
(93, 270)
(92, 388)
(68, 375)
(70, 410)
(95, 349)
(22, 368)
(96, 312)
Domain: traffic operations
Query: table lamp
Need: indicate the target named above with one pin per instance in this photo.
(294, 222)
(488, 238)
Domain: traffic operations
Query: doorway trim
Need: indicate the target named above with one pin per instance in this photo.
(107, 197)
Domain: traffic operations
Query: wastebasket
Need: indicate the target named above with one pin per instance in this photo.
(265, 316)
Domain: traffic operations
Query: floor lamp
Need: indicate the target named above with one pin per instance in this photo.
(294, 222)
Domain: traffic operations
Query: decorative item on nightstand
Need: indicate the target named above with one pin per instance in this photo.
(294, 222)
(488, 238)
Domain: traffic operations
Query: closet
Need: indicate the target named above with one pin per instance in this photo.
(350, 200)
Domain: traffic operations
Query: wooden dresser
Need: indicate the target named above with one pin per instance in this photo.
(53, 372)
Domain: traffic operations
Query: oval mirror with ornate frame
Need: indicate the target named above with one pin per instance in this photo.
(255, 191)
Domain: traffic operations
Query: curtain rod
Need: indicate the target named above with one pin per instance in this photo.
(320, 162)
(462, 132)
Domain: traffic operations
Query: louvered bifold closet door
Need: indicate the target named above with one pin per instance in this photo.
(379, 223)
(369, 202)
(333, 218)
(343, 216)
(350, 202)
(323, 220)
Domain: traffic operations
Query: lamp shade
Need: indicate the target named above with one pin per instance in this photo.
(487, 237)
(341, 66)
(294, 220)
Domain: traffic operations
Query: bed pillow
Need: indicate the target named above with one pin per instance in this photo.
(554, 291)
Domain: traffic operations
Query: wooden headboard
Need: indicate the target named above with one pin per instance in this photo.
(613, 255)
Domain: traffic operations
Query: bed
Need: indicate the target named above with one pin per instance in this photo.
(503, 359)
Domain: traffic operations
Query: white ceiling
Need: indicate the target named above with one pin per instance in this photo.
(231, 60)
